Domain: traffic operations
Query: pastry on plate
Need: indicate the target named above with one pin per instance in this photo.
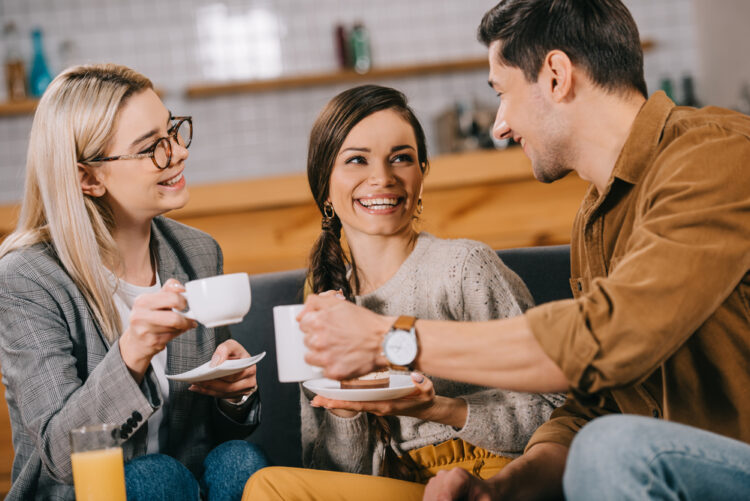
(379, 379)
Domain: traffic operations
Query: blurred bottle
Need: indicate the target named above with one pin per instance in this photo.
(666, 86)
(40, 76)
(342, 47)
(15, 73)
(360, 44)
(688, 92)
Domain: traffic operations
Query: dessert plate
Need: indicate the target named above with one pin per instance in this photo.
(400, 386)
(205, 372)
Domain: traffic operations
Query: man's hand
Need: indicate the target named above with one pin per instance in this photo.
(343, 338)
(448, 485)
(537, 475)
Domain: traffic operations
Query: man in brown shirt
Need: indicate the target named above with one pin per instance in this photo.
(660, 322)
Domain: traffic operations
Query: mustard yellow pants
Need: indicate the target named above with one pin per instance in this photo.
(282, 483)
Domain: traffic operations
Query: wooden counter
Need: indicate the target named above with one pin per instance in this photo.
(269, 224)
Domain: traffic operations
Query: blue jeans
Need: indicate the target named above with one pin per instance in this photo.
(159, 477)
(629, 457)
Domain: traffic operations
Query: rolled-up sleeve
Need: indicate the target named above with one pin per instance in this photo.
(689, 249)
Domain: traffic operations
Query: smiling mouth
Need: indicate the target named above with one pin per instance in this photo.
(386, 203)
(172, 180)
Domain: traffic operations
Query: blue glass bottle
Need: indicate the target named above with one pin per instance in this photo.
(40, 76)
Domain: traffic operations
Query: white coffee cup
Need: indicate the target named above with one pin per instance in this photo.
(290, 346)
(218, 300)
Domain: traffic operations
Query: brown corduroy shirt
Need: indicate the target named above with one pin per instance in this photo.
(660, 322)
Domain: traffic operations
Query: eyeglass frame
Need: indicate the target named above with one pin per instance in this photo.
(172, 132)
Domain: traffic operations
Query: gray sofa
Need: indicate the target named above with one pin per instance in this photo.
(546, 271)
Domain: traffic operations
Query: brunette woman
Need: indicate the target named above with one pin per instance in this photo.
(366, 165)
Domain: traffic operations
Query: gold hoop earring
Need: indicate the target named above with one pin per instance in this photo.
(420, 207)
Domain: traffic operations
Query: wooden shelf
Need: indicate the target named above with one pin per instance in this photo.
(336, 77)
(202, 90)
(28, 106)
(24, 107)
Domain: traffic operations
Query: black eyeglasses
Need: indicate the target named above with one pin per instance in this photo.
(161, 151)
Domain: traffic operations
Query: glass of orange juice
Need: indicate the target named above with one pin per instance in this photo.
(96, 456)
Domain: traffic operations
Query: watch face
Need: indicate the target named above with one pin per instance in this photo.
(401, 347)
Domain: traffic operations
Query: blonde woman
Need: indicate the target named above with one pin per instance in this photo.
(88, 283)
(366, 165)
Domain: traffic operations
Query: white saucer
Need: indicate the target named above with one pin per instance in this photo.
(205, 372)
(401, 385)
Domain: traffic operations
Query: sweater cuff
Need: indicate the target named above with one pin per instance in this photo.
(474, 429)
(355, 425)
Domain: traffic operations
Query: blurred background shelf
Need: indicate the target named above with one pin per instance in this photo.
(24, 107)
(28, 106)
(336, 77)
(202, 90)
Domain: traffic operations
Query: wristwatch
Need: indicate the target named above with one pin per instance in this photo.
(400, 345)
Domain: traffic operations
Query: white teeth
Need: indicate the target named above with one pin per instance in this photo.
(174, 180)
(379, 203)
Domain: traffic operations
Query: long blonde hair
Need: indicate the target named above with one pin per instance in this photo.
(74, 122)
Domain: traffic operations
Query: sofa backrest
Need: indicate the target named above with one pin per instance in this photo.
(545, 270)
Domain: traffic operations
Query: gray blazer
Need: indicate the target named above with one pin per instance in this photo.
(61, 373)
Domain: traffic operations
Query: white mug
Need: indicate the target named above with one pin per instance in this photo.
(218, 300)
(290, 346)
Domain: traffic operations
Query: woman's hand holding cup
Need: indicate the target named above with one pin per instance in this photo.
(153, 323)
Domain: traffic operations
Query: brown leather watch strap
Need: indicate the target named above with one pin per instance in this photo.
(404, 323)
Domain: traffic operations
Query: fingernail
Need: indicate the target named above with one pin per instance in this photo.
(417, 377)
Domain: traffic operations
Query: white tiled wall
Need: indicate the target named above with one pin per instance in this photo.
(177, 43)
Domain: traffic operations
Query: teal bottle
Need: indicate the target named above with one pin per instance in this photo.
(360, 44)
(40, 76)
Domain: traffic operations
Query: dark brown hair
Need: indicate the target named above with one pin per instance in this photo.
(599, 35)
(328, 262)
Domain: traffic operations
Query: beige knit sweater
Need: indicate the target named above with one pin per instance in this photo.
(440, 280)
